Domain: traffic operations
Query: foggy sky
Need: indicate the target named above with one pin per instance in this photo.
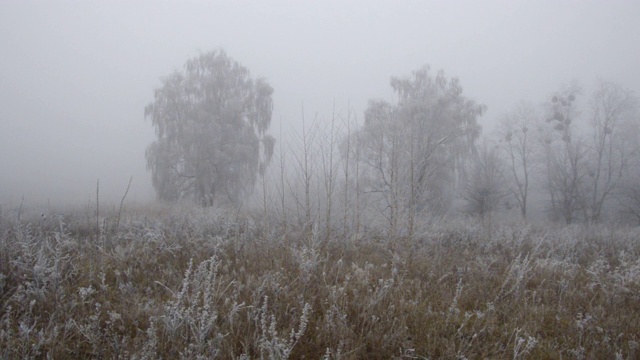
(75, 76)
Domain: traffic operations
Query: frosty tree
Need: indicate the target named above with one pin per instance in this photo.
(519, 153)
(565, 155)
(614, 123)
(485, 185)
(210, 121)
(413, 150)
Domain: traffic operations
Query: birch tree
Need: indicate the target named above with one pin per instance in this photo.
(211, 121)
(414, 148)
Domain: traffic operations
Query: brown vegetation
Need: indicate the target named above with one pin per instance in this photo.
(199, 284)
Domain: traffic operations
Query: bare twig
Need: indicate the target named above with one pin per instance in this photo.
(98, 211)
(20, 209)
(122, 203)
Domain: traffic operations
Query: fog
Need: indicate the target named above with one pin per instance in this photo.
(75, 76)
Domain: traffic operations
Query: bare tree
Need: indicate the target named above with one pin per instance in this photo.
(349, 156)
(305, 169)
(281, 189)
(610, 150)
(516, 144)
(329, 165)
(565, 156)
(485, 185)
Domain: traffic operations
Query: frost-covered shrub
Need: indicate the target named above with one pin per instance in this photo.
(193, 283)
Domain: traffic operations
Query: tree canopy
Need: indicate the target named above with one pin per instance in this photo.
(210, 120)
(415, 146)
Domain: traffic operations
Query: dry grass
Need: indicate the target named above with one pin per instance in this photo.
(196, 284)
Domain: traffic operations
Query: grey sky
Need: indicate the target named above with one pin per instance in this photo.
(75, 76)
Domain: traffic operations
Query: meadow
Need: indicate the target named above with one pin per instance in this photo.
(190, 283)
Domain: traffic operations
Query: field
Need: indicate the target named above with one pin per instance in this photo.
(183, 282)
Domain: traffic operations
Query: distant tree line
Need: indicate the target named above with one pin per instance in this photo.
(419, 156)
(584, 150)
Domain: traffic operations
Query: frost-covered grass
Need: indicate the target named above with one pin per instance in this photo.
(196, 284)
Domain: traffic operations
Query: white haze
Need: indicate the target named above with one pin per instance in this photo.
(75, 76)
